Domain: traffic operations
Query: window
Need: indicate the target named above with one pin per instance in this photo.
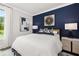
(5, 26)
(2, 18)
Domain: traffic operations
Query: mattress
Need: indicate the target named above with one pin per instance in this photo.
(38, 45)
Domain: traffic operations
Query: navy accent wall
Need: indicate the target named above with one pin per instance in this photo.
(68, 14)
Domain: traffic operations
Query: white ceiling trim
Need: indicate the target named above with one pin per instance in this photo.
(60, 6)
(10, 6)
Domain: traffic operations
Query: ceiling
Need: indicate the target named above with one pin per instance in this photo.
(36, 8)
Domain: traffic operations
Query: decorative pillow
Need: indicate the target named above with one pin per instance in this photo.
(41, 30)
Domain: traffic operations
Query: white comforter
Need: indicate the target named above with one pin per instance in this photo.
(37, 45)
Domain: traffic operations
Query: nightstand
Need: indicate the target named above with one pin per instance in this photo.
(71, 45)
(75, 46)
(66, 42)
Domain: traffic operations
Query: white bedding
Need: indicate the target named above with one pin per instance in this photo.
(37, 45)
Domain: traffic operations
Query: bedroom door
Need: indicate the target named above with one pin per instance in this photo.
(4, 26)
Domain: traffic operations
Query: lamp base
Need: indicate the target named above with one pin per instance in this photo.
(70, 34)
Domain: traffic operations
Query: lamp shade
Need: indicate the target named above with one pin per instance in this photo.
(71, 26)
(35, 27)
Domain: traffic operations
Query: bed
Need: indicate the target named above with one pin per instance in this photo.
(37, 45)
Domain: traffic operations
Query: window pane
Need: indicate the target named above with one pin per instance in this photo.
(2, 16)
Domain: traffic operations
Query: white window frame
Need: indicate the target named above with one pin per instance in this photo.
(4, 42)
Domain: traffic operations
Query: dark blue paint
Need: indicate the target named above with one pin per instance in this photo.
(68, 14)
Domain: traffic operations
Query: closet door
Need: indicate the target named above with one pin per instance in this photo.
(4, 26)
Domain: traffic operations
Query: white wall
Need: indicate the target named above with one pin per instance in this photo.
(16, 14)
(15, 23)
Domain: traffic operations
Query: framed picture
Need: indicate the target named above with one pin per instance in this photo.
(49, 20)
(24, 26)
